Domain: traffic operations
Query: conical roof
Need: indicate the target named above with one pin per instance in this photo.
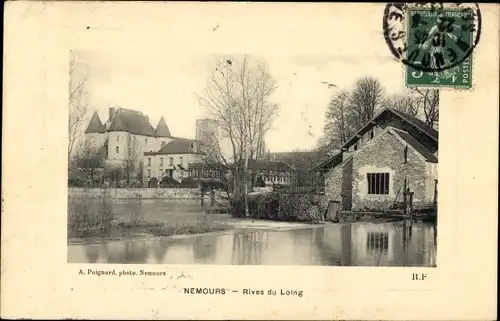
(162, 129)
(95, 125)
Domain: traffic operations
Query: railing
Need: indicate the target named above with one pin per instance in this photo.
(204, 174)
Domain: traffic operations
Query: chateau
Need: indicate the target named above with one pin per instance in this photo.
(128, 137)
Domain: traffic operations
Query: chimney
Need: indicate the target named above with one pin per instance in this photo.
(111, 113)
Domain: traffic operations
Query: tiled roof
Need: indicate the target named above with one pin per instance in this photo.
(416, 145)
(418, 123)
(162, 129)
(95, 125)
(180, 146)
(131, 121)
(413, 121)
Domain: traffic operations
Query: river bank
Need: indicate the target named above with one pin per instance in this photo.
(348, 244)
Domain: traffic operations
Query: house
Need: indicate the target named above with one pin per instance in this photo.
(263, 172)
(128, 137)
(178, 154)
(271, 172)
(372, 167)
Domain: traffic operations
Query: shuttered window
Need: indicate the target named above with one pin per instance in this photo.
(378, 183)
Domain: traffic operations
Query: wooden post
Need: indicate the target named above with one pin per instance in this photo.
(435, 195)
(410, 207)
(212, 196)
(405, 202)
(202, 188)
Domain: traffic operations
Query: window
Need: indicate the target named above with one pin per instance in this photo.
(161, 161)
(149, 161)
(146, 140)
(118, 139)
(160, 172)
(378, 183)
(181, 161)
(171, 161)
(130, 151)
(405, 155)
(149, 173)
(118, 149)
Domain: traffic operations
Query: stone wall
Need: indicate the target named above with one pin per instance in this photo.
(338, 184)
(144, 193)
(385, 154)
(346, 190)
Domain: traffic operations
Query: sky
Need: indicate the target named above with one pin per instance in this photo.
(149, 80)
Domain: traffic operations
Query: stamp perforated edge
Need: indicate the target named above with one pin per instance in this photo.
(404, 70)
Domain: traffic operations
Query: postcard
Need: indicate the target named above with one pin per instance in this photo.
(250, 160)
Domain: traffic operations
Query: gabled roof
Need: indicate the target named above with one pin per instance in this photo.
(329, 163)
(413, 121)
(162, 129)
(95, 125)
(131, 121)
(428, 130)
(416, 145)
(267, 165)
(180, 146)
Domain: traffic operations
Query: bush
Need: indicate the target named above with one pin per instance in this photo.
(284, 207)
(153, 182)
(189, 183)
(168, 182)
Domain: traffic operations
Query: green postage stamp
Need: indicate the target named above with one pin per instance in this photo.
(435, 42)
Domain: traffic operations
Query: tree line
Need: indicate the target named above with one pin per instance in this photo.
(347, 111)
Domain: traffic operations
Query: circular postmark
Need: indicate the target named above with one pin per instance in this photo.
(432, 37)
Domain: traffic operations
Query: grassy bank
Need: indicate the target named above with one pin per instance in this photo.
(94, 216)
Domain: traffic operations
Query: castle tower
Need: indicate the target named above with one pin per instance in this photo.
(95, 134)
(207, 134)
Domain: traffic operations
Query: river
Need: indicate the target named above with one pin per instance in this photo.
(353, 244)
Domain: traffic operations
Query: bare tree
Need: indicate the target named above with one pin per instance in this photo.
(78, 103)
(366, 98)
(429, 100)
(337, 128)
(237, 96)
(91, 161)
(131, 161)
(408, 104)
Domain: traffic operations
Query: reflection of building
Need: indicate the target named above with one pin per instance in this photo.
(372, 167)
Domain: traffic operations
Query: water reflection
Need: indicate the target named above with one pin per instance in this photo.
(358, 244)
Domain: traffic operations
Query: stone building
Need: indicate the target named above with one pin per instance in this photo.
(173, 159)
(207, 132)
(372, 167)
(128, 137)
